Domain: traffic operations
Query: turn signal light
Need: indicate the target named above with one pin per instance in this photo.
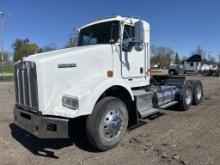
(110, 73)
(70, 102)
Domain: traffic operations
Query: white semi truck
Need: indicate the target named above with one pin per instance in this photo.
(194, 66)
(106, 78)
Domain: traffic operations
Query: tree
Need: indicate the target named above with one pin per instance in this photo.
(25, 50)
(19, 43)
(47, 48)
(154, 60)
(177, 59)
(183, 59)
(212, 60)
(72, 41)
(40, 50)
(5, 58)
(199, 50)
(164, 55)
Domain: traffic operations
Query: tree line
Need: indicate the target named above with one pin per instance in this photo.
(163, 56)
(24, 47)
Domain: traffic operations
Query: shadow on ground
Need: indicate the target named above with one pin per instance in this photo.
(174, 108)
(47, 147)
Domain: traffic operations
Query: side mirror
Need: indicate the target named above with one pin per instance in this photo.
(139, 32)
(139, 35)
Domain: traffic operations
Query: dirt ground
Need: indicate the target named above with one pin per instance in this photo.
(191, 137)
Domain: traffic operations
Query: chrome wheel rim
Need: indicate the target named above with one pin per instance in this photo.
(198, 92)
(188, 98)
(112, 124)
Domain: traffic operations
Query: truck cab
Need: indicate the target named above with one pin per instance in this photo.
(105, 78)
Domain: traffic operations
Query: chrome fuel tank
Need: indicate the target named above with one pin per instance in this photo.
(163, 95)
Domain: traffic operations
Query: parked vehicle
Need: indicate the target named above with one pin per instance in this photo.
(194, 65)
(210, 70)
(105, 78)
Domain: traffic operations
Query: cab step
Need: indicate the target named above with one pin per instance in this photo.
(148, 112)
(144, 105)
(168, 105)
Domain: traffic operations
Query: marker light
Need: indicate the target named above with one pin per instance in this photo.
(70, 102)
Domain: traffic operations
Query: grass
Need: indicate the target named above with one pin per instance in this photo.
(156, 70)
(6, 67)
(7, 79)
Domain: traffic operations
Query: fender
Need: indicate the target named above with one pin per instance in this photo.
(87, 93)
(98, 86)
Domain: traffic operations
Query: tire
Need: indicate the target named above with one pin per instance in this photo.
(102, 130)
(197, 92)
(216, 73)
(186, 97)
(172, 72)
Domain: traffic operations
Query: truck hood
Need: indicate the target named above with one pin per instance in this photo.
(79, 65)
(58, 53)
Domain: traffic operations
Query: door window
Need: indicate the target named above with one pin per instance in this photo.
(128, 32)
(128, 37)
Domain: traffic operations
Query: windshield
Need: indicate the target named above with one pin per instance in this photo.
(102, 33)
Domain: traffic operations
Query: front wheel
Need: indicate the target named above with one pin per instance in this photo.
(107, 124)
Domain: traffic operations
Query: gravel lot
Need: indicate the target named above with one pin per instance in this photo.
(191, 137)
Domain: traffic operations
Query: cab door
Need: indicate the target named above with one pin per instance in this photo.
(132, 61)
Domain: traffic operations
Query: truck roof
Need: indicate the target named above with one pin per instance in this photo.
(195, 58)
(128, 20)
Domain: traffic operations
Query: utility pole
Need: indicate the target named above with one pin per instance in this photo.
(2, 16)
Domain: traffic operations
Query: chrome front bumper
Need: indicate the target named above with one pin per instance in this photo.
(41, 126)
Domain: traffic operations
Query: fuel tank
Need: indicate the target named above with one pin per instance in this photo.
(163, 94)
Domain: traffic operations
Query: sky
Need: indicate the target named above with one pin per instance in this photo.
(179, 24)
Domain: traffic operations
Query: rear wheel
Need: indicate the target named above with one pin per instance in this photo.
(186, 97)
(107, 124)
(197, 92)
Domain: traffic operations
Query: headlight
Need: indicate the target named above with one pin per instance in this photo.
(70, 102)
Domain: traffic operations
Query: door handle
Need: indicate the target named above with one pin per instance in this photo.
(141, 70)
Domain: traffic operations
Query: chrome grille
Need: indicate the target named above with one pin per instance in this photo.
(26, 92)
